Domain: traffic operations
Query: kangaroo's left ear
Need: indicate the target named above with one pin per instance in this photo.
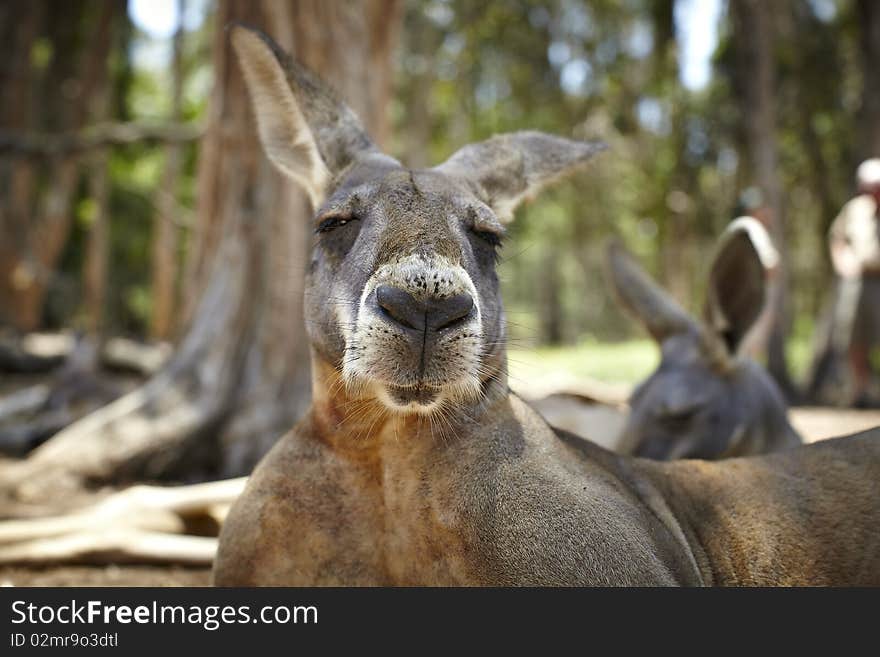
(737, 281)
(510, 168)
(305, 129)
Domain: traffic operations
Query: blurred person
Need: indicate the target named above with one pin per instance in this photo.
(854, 242)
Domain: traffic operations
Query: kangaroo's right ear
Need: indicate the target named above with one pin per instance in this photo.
(735, 296)
(306, 131)
(653, 307)
(511, 168)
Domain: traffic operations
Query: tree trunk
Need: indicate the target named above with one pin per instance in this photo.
(240, 375)
(756, 64)
(33, 240)
(550, 288)
(164, 283)
(422, 43)
(869, 20)
(95, 267)
(20, 25)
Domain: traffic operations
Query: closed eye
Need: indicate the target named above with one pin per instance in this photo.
(335, 221)
(482, 223)
(490, 237)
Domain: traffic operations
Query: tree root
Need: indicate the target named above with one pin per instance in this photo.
(141, 524)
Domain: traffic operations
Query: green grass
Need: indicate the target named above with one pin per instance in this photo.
(616, 362)
(799, 351)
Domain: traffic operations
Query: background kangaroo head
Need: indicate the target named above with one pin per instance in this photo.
(704, 400)
(401, 290)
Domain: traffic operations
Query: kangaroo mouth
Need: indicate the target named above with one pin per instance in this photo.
(419, 395)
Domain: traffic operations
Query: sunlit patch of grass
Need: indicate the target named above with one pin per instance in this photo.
(799, 351)
(627, 362)
(611, 362)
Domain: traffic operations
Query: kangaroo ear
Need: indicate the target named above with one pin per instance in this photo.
(306, 131)
(510, 168)
(735, 296)
(653, 307)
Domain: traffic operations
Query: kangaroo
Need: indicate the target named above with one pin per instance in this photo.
(704, 400)
(416, 466)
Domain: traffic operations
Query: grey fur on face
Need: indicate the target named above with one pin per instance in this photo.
(401, 291)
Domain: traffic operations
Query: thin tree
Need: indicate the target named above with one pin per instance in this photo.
(165, 224)
(756, 70)
(34, 226)
(869, 22)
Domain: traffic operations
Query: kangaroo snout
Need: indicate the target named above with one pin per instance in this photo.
(426, 314)
(418, 334)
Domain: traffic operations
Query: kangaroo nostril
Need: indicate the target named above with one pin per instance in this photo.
(401, 306)
(433, 313)
(445, 313)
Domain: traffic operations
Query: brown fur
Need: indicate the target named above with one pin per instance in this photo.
(806, 517)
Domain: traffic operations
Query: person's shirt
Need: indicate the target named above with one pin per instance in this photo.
(858, 225)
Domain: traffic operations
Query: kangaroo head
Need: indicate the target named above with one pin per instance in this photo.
(401, 292)
(704, 400)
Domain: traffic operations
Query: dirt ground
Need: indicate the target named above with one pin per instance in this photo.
(105, 576)
(817, 423)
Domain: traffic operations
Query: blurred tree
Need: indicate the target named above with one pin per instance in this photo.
(755, 45)
(20, 30)
(95, 266)
(58, 62)
(165, 232)
(240, 374)
(869, 20)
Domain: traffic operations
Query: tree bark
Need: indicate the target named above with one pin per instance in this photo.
(165, 236)
(20, 26)
(869, 20)
(550, 284)
(240, 376)
(422, 43)
(78, 67)
(96, 265)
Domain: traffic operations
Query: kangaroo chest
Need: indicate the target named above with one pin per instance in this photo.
(427, 520)
(463, 515)
(413, 509)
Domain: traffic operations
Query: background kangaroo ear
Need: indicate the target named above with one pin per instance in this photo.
(736, 291)
(306, 131)
(652, 306)
(513, 167)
